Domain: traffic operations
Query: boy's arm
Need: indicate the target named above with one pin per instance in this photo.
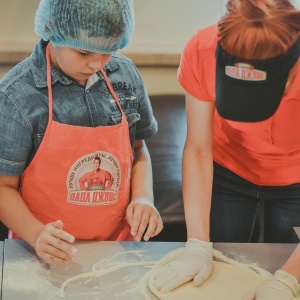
(14, 213)
(141, 212)
(50, 241)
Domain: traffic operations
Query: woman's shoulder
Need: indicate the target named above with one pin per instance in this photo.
(196, 72)
(204, 38)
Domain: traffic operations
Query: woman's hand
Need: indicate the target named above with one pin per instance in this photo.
(282, 286)
(54, 244)
(195, 263)
(140, 214)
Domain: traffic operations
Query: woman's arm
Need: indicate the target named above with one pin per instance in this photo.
(195, 263)
(198, 167)
(292, 265)
(284, 283)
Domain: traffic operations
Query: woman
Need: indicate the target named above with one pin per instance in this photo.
(247, 149)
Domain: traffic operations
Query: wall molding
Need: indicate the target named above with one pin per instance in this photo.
(140, 59)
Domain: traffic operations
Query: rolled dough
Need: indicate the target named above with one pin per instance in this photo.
(230, 280)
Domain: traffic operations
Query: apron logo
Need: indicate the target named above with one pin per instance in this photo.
(94, 179)
(245, 71)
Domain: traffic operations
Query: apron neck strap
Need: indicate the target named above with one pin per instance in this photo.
(111, 90)
(49, 81)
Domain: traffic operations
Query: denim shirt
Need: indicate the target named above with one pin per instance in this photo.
(24, 105)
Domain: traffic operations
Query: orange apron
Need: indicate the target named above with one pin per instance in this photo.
(51, 187)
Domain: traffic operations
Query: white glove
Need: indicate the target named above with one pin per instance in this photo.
(282, 286)
(194, 263)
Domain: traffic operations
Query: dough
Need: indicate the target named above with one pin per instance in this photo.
(226, 282)
(229, 280)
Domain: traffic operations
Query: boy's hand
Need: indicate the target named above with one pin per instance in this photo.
(53, 244)
(140, 214)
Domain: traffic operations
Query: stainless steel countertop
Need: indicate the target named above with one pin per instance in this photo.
(297, 232)
(26, 277)
(1, 264)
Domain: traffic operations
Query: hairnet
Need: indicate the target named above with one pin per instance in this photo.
(101, 26)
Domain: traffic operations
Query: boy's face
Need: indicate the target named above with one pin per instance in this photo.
(77, 64)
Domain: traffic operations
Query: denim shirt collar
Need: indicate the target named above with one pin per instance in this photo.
(39, 68)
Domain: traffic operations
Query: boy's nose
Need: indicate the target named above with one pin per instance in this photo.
(95, 65)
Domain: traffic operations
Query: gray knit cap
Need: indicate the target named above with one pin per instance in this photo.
(101, 26)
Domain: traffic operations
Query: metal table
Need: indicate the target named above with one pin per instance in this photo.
(297, 233)
(26, 277)
(1, 265)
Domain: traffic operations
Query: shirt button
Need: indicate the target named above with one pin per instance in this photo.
(267, 132)
(87, 91)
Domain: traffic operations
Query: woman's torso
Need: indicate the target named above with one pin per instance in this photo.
(265, 153)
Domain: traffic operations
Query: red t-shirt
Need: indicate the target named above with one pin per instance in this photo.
(264, 153)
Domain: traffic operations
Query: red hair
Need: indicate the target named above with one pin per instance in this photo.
(259, 29)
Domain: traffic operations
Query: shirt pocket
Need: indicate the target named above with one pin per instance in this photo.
(132, 119)
(37, 140)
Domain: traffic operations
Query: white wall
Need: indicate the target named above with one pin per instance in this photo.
(162, 27)
(16, 24)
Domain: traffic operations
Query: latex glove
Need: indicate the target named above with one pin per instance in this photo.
(53, 244)
(282, 286)
(194, 264)
(141, 214)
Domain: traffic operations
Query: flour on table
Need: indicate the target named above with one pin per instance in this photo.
(29, 277)
(103, 279)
